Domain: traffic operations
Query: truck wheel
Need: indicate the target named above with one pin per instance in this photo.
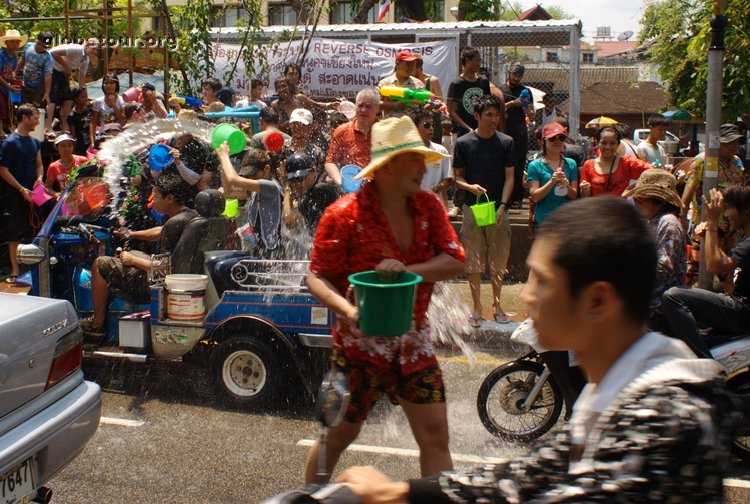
(245, 372)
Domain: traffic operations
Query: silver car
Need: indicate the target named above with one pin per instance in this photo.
(48, 412)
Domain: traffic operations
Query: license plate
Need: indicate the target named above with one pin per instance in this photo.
(17, 484)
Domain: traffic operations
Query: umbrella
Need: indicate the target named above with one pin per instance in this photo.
(678, 115)
(601, 121)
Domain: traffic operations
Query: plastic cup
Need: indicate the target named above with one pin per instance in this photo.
(15, 98)
(131, 94)
(385, 309)
(159, 157)
(39, 196)
(348, 184)
(229, 133)
(231, 208)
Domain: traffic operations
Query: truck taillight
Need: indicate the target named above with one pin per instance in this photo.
(67, 358)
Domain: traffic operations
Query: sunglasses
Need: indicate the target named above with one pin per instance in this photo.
(558, 138)
(428, 125)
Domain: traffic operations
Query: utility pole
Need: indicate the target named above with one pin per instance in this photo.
(713, 121)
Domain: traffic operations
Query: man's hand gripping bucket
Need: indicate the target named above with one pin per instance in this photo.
(385, 308)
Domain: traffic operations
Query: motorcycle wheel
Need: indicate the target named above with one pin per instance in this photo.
(503, 392)
(245, 372)
(741, 385)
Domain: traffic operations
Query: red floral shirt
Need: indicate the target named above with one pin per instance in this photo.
(354, 236)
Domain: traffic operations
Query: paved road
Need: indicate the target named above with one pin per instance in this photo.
(165, 439)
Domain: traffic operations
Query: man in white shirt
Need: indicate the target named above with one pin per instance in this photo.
(68, 58)
(439, 176)
(255, 98)
(652, 424)
(649, 149)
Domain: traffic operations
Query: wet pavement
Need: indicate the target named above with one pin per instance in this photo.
(165, 438)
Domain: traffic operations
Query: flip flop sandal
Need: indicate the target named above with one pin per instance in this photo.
(12, 280)
(475, 321)
(501, 318)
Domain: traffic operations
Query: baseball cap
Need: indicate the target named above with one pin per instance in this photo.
(301, 115)
(729, 133)
(517, 68)
(298, 165)
(405, 55)
(552, 130)
(64, 137)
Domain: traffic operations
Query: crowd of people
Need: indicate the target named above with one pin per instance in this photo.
(598, 266)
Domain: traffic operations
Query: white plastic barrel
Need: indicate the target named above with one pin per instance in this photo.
(185, 296)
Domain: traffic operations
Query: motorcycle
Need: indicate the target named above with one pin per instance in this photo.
(521, 400)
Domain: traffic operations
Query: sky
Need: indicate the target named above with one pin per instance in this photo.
(621, 15)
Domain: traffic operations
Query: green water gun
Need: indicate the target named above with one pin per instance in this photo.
(406, 95)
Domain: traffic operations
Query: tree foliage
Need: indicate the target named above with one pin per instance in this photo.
(681, 32)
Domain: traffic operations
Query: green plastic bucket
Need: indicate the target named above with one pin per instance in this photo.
(385, 309)
(231, 208)
(484, 213)
(229, 133)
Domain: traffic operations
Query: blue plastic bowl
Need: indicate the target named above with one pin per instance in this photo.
(159, 157)
(348, 172)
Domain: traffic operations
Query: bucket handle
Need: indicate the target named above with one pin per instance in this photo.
(479, 196)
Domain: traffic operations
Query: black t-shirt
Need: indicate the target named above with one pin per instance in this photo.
(484, 161)
(741, 257)
(80, 121)
(173, 228)
(464, 92)
(576, 153)
(315, 202)
(516, 121)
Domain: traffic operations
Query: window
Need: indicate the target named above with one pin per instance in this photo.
(281, 14)
(552, 56)
(341, 13)
(228, 15)
(587, 57)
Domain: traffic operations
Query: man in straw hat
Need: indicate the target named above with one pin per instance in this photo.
(655, 194)
(653, 423)
(10, 42)
(390, 225)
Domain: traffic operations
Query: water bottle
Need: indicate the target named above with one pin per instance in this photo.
(560, 189)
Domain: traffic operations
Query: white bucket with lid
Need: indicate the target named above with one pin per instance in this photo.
(185, 296)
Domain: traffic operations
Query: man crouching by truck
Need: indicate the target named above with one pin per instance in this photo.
(390, 225)
(128, 273)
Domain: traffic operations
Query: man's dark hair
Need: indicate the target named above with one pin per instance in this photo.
(484, 102)
(562, 121)
(289, 66)
(212, 82)
(738, 196)
(468, 53)
(172, 183)
(110, 77)
(25, 109)
(257, 159)
(658, 120)
(76, 91)
(615, 246)
(45, 37)
(255, 83)
(418, 115)
(131, 108)
(269, 115)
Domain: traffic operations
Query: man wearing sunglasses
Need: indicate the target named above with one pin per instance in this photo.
(439, 176)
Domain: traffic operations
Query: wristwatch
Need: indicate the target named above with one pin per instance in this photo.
(504, 203)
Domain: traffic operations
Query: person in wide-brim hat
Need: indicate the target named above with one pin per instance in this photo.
(391, 137)
(656, 184)
(13, 35)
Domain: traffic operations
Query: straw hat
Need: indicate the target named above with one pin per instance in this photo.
(13, 35)
(657, 184)
(394, 136)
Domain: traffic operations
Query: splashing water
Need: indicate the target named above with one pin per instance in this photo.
(115, 151)
(449, 314)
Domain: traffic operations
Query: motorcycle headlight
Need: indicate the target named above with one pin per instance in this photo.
(30, 254)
